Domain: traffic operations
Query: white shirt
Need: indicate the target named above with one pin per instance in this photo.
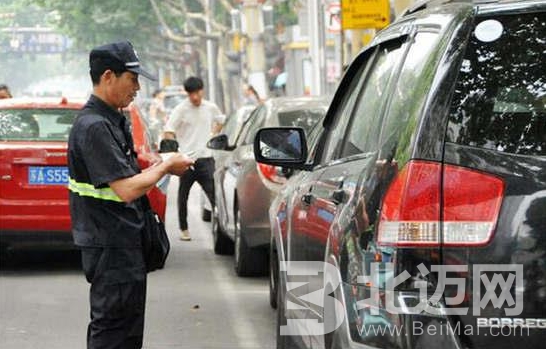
(193, 126)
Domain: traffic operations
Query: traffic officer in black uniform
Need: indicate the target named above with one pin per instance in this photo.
(105, 186)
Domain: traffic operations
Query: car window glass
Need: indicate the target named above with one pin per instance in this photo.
(406, 103)
(172, 99)
(500, 97)
(246, 125)
(242, 117)
(400, 121)
(230, 127)
(313, 136)
(366, 121)
(254, 124)
(305, 118)
(342, 116)
(36, 124)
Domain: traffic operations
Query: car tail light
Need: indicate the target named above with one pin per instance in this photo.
(272, 173)
(410, 215)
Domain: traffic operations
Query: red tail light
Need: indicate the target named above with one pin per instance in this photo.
(272, 173)
(410, 215)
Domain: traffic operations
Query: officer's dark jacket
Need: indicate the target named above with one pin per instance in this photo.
(100, 150)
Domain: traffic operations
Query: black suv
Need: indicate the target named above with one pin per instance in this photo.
(427, 192)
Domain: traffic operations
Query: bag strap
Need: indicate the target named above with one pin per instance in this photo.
(145, 202)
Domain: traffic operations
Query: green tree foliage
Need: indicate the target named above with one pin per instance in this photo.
(22, 14)
(91, 23)
(285, 12)
(16, 13)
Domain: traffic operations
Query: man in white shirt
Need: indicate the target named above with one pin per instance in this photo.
(193, 122)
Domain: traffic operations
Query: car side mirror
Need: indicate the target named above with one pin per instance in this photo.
(281, 146)
(219, 142)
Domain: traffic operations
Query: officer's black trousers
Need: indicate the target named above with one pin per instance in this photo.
(202, 173)
(117, 297)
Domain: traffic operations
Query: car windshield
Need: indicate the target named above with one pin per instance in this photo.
(36, 124)
(172, 101)
(301, 118)
(500, 97)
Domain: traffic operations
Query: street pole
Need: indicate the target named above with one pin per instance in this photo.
(211, 72)
(317, 44)
(255, 51)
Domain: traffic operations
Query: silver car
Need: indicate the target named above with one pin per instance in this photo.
(232, 128)
(244, 189)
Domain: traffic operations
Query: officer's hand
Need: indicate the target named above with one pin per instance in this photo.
(178, 163)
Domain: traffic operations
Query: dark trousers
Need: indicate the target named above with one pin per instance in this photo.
(117, 297)
(202, 173)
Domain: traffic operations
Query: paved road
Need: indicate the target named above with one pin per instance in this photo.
(197, 301)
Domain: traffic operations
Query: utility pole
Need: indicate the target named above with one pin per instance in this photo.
(211, 66)
(255, 51)
(317, 44)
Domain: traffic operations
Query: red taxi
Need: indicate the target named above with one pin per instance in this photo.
(33, 169)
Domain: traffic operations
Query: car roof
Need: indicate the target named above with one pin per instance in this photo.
(481, 5)
(283, 104)
(41, 102)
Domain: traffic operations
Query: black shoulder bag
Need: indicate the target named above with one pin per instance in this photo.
(168, 146)
(155, 242)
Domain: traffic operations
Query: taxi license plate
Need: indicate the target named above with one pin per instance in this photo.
(48, 175)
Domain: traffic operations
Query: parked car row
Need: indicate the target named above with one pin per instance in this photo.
(33, 169)
(244, 189)
(432, 153)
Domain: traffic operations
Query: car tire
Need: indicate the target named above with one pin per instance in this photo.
(222, 245)
(248, 261)
(206, 215)
(4, 253)
(273, 278)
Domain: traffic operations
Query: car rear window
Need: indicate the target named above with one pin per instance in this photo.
(301, 118)
(36, 124)
(173, 100)
(500, 97)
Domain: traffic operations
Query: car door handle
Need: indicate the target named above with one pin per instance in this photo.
(339, 196)
(307, 199)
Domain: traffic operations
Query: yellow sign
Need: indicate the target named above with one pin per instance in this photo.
(364, 14)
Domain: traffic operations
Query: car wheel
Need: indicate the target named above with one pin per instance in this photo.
(206, 215)
(273, 278)
(221, 243)
(248, 261)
